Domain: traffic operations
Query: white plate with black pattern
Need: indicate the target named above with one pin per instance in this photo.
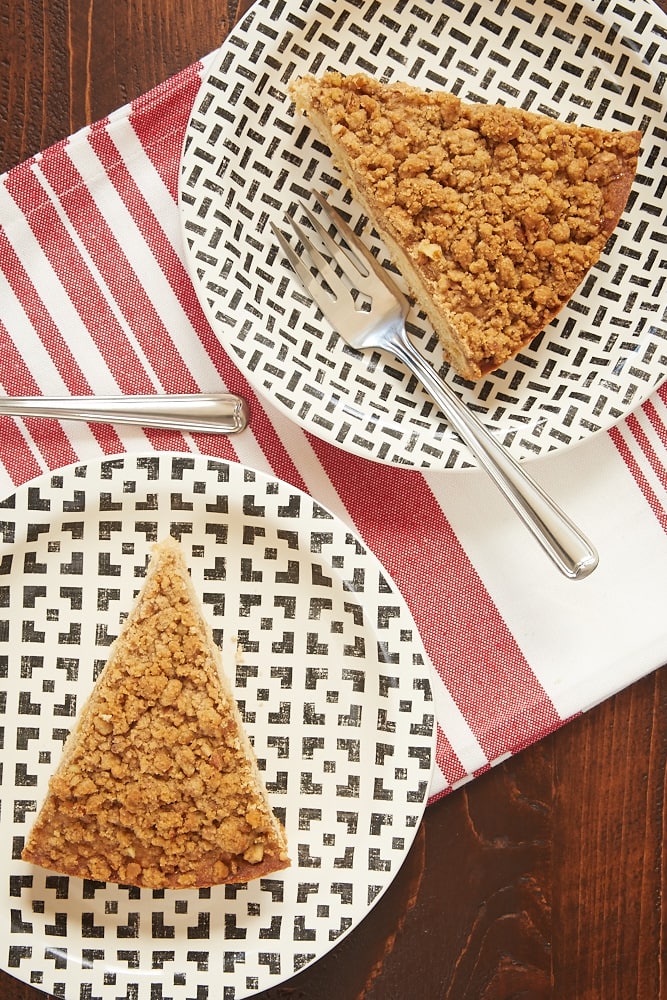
(331, 678)
(247, 159)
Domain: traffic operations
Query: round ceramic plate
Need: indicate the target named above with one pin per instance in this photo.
(247, 160)
(331, 678)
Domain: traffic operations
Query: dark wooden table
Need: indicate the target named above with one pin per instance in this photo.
(545, 877)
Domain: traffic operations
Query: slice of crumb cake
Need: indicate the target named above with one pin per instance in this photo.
(158, 784)
(493, 215)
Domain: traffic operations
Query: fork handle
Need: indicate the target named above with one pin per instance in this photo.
(570, 550)
(212, 413)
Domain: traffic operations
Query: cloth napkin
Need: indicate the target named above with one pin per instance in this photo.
(95, 298)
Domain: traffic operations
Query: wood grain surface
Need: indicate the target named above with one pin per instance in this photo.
(545, 877)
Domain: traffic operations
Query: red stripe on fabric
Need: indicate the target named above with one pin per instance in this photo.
(17, 458)
(17, 379)
(446, 759)
(494, 687)
(168, 105)
(639, 477)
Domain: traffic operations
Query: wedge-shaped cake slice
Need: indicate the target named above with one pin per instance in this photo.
(493, 215)
(158, 784)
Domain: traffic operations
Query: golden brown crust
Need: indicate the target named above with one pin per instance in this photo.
(493, 214)
(158, 785)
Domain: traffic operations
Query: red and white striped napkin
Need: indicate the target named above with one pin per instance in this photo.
(95, 298)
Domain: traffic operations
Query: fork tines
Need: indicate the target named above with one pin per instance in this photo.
(340, 255)
(342, 270)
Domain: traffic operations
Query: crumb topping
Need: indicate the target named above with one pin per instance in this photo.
(157, 789)
(502, 211)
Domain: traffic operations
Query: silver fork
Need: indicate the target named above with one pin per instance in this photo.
(382, 325)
